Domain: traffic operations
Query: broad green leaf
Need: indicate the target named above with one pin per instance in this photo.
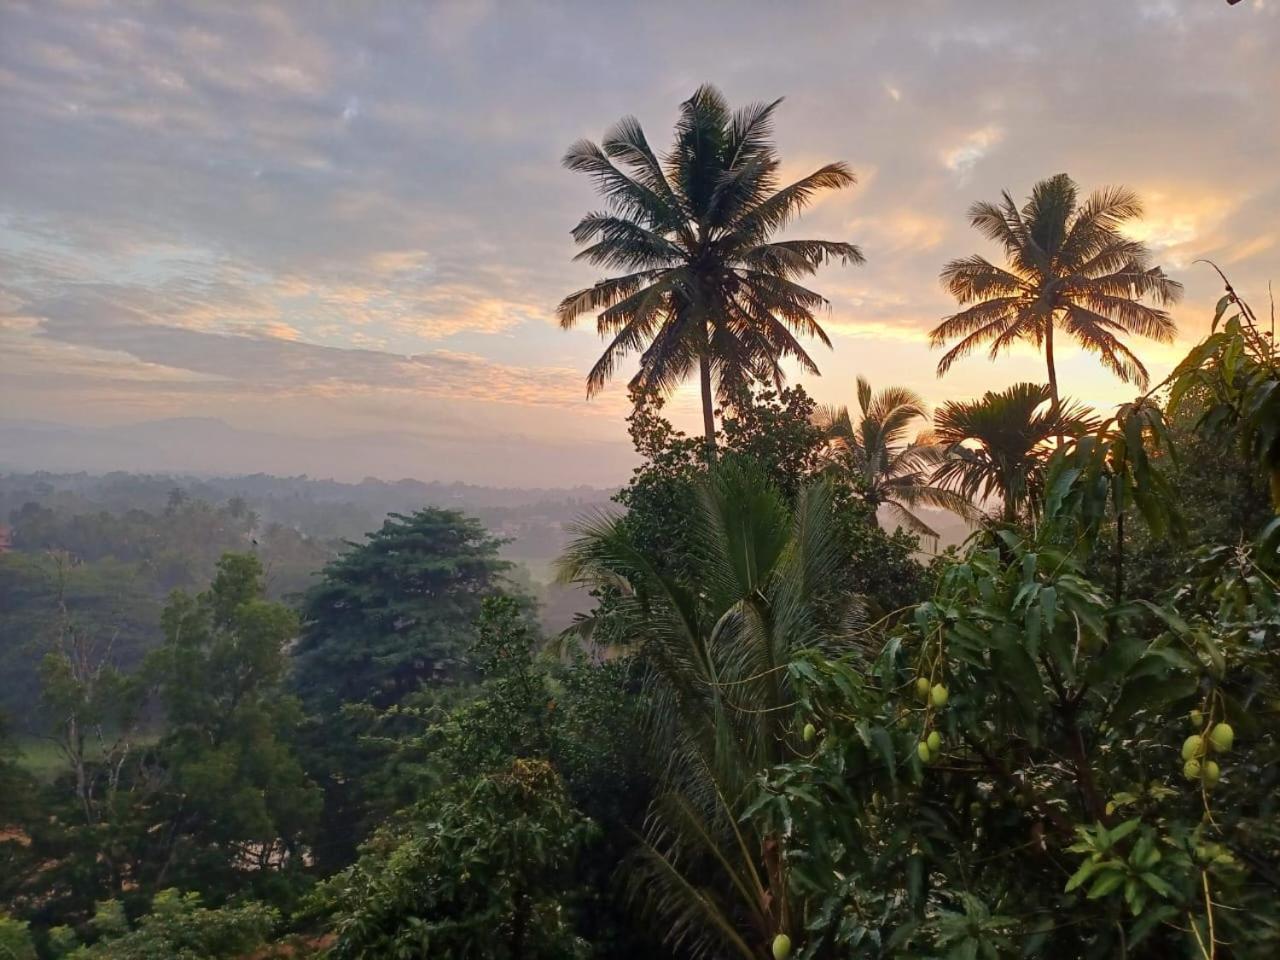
(1049, 606)
(1087, 870)
(1105, 884)
(1123, 830)
(1157, 884)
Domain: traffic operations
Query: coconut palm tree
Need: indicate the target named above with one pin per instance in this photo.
(718, 696)
(876, 457)
(705, 286)
(1069, 268)
(999, 445)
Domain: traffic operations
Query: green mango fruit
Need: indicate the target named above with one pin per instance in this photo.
(1222, 737)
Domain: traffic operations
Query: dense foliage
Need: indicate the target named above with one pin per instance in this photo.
(782, 434)
(210, 797)
(176, 928)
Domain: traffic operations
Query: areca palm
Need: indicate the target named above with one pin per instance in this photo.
(886, 467)
(1069, 268)
(719, 698)
(705, 286)
(999, 445)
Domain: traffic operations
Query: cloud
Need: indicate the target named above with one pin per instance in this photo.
(342, 208)
(274, 356)
(962, 158)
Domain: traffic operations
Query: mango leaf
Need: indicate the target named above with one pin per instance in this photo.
(1049, 607)
(1170, 618)
(883, 745)
(1059, 485)
(1116, 660)
(1018, 672)
(1123, 830)
(1087, 870)
(1205, 642)
(1105, 884)
(1152, 693)
(1157, 884)
(1223, 302)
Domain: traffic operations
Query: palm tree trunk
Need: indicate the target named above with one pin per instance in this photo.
(1010, 507)
(1053, 371)
(708, 408)
(1054, 408)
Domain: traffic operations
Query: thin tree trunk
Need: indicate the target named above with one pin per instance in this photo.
(1119, 598)
(708, 408)
(1055, 408)
(1053, 370)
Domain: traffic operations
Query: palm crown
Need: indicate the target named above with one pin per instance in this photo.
(999, 445)
(705, 286)
(878, 458)
(1070, 268)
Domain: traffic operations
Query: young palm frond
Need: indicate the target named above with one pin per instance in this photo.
(998, 446)
(1070, 269)
(876, 457)
(706, 289)
(718, 688)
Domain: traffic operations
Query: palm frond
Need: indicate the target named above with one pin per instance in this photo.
(715, 655)
(751, 133)
(625, 196)
(1131, 316)
(693, 921)
(601, 296)
(1090, 331)
(626, 142)
(623, 243)
(991, 330)
(1049, 211)
(1096, 223)
(800, 257)
(998, 445)
(1001, 222)
(1136, 280)
(994, 313)
(634, 332)
(780, 209)
(909, 520)
(974, 278)
(672, 355)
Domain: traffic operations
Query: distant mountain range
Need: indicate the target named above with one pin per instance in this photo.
(199, 445)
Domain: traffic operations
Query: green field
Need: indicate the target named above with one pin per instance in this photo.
(40, 757)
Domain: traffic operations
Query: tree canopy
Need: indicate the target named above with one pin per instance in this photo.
(395, 610)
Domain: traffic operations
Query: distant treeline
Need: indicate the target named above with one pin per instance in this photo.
(109, 548)
(318, 508)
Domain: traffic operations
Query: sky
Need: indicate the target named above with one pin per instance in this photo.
(347, 223)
